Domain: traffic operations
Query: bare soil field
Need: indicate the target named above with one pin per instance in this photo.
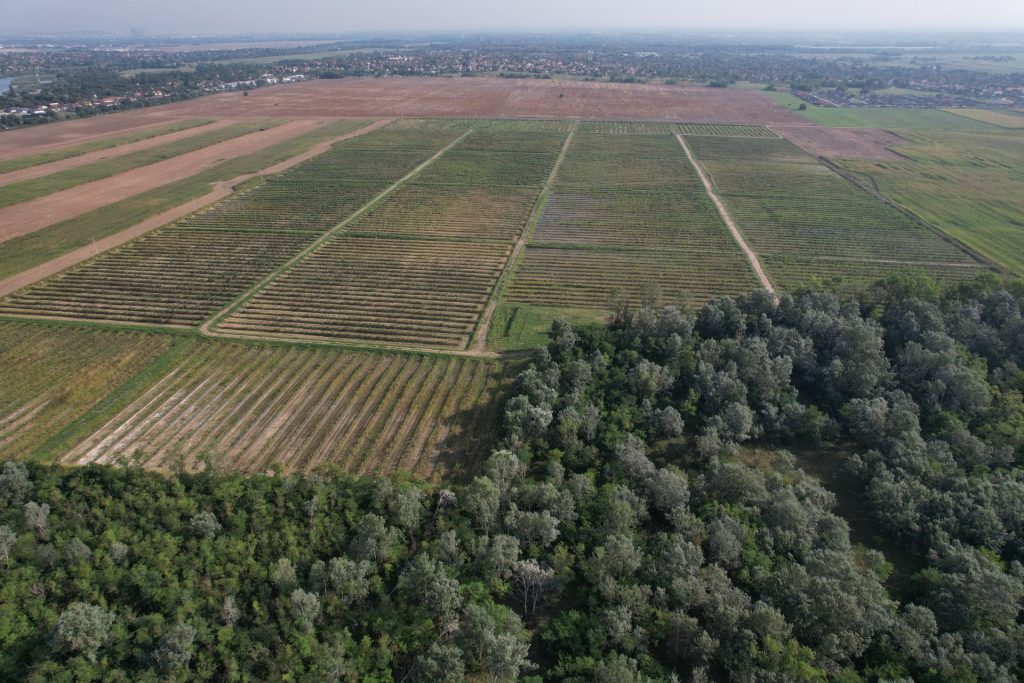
(120, 150)
(493, 97)
(50, 136)
(26, 217)
(870, 144)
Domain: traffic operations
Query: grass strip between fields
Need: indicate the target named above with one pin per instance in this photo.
(114, 402)
(19, 163)
(27, 251)
(208, 327)
(478, 339)
(72, 177)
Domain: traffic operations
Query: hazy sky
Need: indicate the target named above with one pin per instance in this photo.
(332, 16)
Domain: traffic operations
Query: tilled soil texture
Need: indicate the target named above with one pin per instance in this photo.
(26, 217)
(870, 144)
(47, 137)
(496, 98)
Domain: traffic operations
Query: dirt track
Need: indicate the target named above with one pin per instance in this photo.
(26, 217)
(221, 191)
(492, 97)
(869, 144)
(99, 155)
(755, 263)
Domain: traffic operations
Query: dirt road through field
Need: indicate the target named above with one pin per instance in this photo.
(755, 263)
(480, 341)
(221, 191)
(27, 217)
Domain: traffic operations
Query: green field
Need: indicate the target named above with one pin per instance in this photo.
(54, 376)
(28, 251)
(879, 117)
(808, 224)
(967, 184)
(98, 145)
(1004, 118)
(517, 325)
(62, 180)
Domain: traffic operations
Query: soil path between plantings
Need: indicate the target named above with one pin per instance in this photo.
(755, 263)
(221, 190)
(480, 343)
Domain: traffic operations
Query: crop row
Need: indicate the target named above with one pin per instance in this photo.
(183, 274)
(851, 273)
(286, 205)
(650, 220)
(778, 179)
(122, 163)
(725, 130)
(526, 125)
(587, 146)
(171, 276)
(707, 148)
(255, 407)
(808, 223)
(466, 167)
(53, 376)
(399, 291)
(597, 279)
(627, 127)
(479, 213)
(854, 225)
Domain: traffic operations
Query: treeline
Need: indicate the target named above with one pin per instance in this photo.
(640, 523)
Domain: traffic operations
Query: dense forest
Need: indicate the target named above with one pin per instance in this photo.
(647, 518)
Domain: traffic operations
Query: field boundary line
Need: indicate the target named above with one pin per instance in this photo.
(222, 190)
(207, 327)
(755, 262)
(478, 341)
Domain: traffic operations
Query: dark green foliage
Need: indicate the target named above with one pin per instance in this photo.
(627, 533)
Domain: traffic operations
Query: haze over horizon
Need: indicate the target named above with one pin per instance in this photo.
(323, 16)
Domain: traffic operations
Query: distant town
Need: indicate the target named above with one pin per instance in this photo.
(45, 79)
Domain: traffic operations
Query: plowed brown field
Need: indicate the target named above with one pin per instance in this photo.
(50, 136)
(493, 97)
(844, 143)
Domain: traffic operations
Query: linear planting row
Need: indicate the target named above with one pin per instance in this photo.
(52, 376)
(252, 408)
(660, 128)
(628, 222)
(809, 224)
(183, 274)
(408, 291)
(418, 268)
